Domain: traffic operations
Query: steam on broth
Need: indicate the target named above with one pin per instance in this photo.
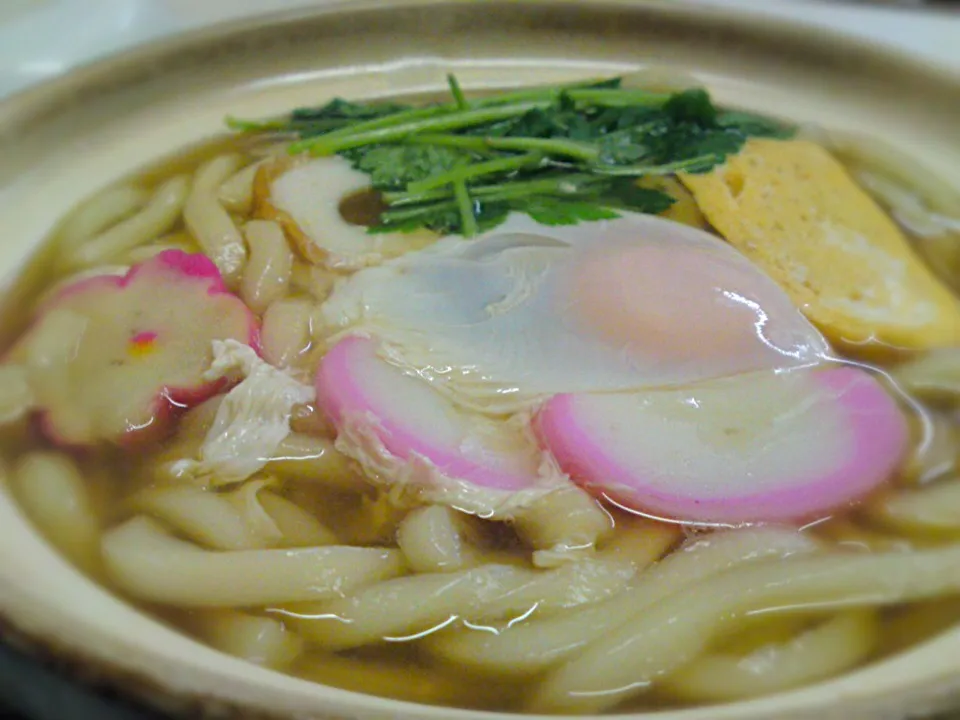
(601, 395)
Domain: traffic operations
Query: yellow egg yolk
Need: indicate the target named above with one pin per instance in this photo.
(676, 305)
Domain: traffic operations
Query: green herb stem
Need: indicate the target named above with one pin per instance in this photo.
(575, 149)
(334, 142)
(563, 185)
(617, 97)
(544, 95)
(397, 118)
(475, 170)
(554, 146)
(391, 217)
(458, 97)
(551, 93)
(468, 221)
(664, 169)
(402, 197)
(474, 143)
(235, 123)
(310, 128)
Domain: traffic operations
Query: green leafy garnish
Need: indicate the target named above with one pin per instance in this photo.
(393, 167)
(563, 155)
(754, 125)
(310, 122)
(550, 211)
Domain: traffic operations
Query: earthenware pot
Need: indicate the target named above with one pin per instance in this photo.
(60, 141)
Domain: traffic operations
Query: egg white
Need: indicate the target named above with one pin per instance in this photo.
(494, 322)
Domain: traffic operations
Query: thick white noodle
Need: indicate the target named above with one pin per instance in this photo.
(181, 241)
(100, 212)
(908, 207)
(935, 508)
(286, 331)
(831, 647)
(414, 606)
(16, 397)
(236, 192)
(935, 375)
(311, 459)
(223, 521)
(157, 217)
(266, 276)
(884, 159)
(211, 225)
(431, 539)
(936, 454)
(563, 525)
(147, 562)
(298, 527)
(51, 490)
(641, 541)
(660, 638)
(313, 280)
(531, 647)
(260, 640)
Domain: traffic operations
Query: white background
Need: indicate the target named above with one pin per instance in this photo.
(40, 38)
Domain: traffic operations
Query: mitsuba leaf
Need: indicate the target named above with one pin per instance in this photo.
(548, 210)
(446, 220)
(715, 144)
(487, 216)
(633, 118)
(557, 121)
(621, 148)
(392, 167)
(547, 123)
(693, 105)
(754, 125)
(490, 215)
(626, 194)
(341, 109)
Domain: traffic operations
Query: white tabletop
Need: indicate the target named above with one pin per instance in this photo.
(40, 38)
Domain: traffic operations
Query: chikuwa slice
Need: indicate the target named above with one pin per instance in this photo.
(112, 358)
(308, 198)
(403, 432)
(768, 446)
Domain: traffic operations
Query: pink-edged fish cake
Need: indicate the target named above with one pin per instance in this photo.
(140, 347)
(403, 431)
(759, 447)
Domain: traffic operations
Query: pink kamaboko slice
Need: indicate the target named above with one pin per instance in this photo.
(405, 434)
(759, 447)
(136, 348)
